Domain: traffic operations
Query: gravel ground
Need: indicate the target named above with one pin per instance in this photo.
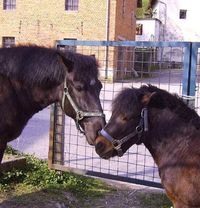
(131, 196)
(123, 196)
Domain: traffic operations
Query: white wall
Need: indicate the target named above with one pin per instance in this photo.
(181, 29)
(151, 30)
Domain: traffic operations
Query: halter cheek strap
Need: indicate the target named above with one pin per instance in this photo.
(117, 143)
(79, 113)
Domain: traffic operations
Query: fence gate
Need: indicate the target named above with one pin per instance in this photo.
(173, 66)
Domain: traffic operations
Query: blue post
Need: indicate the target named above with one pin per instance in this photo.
(195, 47)
(189, 75)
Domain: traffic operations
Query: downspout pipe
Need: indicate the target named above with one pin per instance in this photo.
(107, 36)
(165, 16)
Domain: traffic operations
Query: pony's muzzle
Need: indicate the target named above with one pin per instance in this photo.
(100, 147)
(103, 147)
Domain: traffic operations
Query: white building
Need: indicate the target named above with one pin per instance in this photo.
(178, 21)
(182, 20)
(149, 29)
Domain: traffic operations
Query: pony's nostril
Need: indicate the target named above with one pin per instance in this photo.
(100, 146)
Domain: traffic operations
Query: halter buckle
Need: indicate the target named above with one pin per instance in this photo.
(79, 115)
(117, 146)
(116, 143)
(139, 129)
(65, 90)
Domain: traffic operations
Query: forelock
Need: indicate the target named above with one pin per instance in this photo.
(125, 101)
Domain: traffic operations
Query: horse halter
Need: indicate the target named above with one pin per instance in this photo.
(79, 113)
(140, 128)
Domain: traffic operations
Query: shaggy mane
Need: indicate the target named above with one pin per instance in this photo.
(34, 65)
(131, 96)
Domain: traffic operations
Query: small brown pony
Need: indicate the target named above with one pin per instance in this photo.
(32, 77)
(169, 129)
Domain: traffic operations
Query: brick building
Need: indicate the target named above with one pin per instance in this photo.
(42, 22)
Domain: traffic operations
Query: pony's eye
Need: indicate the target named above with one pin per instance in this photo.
(124, 117)
(79, 88)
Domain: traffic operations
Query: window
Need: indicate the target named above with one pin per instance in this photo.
(139, 28)
(8, 42)
(9, 4)
(182, 14)
(139, 3)
(71, 5)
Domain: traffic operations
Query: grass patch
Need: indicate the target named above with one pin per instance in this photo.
(37, 186)
(10, 151)
(37, 176)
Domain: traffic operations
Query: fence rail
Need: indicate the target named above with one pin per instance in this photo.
(173, 66)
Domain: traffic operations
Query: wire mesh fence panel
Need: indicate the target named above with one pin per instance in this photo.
(124, 65)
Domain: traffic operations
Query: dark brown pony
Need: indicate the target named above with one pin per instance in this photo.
(31, 78)
(169, 129)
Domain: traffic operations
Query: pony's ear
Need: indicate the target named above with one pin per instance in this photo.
(68, 63)
(154, 100)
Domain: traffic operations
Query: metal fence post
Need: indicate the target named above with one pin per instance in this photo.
(193, 73)
(56, 141)
(189, 75)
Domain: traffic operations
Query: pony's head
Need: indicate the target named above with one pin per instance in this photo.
(127, 124)
(134, 113)
(80, 94)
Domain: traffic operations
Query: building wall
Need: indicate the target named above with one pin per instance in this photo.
(177, 29)
(125, 20)
(124, 29)
(42, 21)
(150, 30)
